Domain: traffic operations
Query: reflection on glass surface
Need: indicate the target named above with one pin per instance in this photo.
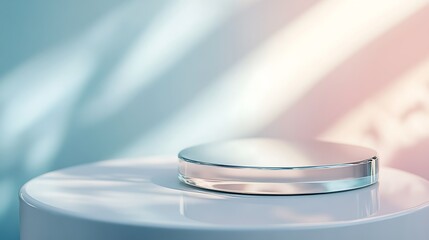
(239, 210)
(265, 152)
(273, 166)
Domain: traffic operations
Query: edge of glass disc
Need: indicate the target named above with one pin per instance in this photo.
(279, 180)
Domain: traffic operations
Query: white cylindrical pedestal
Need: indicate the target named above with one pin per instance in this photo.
(143, 199)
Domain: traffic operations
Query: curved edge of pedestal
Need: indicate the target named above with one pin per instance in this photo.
(29, 202)
(41, 223)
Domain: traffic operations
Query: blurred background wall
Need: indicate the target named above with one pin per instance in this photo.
(83, 81)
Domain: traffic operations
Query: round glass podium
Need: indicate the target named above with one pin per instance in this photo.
(278, 167)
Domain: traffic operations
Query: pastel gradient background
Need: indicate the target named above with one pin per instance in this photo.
(83, 81)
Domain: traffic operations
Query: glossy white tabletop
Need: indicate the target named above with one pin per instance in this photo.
(147, 192)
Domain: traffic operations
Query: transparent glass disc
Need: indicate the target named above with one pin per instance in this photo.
(278, 167)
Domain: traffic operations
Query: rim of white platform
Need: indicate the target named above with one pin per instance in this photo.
(25, 197)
